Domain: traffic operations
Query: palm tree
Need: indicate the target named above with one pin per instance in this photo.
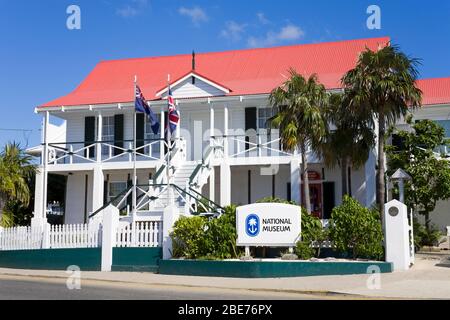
(298, 106)
(349, 143)
(383, 84)
(15, 171)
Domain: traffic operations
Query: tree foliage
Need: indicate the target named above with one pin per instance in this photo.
(429, 172)
(383, 87)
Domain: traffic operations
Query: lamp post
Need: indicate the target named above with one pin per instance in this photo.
(401, 176)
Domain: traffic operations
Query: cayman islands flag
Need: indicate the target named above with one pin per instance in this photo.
(141, 105)
(174, 116)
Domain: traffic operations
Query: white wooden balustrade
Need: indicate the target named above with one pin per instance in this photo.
(74, 236)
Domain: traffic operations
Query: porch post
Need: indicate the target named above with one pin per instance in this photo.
(99, 137)
(211, 126)
(162, 135)
(97, 188)
(225, 184)
(212, 184)
(295, 181)
(43, 211)
(225, 131)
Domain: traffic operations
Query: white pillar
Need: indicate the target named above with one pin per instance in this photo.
(212, 184)
(99, 137)
(225, 184)
(170, 216)
(39, 194)
(211, 125)
(97, 188)
(396, 235)
(295, 181)
(44, 166)
(225, 131)
(109, 229)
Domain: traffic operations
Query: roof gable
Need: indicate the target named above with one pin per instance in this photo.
(194, 85)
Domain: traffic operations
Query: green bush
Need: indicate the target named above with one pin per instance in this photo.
(356, 229)
(200, 238)
(188, 237)
(275, 200)
(304, 251)
(424, 237)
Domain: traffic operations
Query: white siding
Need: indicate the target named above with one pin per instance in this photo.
(75, 195)
(200, 89)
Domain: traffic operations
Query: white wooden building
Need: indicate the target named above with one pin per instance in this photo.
(223, 149)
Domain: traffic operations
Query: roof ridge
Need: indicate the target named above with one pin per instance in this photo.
(385, 38)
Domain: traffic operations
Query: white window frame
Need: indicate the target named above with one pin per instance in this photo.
(107, 123)
(110, 183)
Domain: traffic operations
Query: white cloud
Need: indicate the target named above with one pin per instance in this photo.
(288, 33)
(233, 31)
(262, 18)
(196, 14)
(132, 9)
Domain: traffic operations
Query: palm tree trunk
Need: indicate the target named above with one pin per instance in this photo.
(381, 193)
(344, 165)
(305, 179)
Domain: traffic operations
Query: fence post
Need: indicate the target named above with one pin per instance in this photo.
(170, 216)
(1, 238)
(46, 236)
(109, 232)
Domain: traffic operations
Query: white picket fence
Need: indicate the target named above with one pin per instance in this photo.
(20, 238)
(74, 236)
(140, 234)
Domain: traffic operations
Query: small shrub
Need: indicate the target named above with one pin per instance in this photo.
(356, 229)
(424, 237)
(188, 237)
(303, 250)
(275, 200)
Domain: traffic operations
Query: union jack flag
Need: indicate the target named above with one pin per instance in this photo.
(174, 116)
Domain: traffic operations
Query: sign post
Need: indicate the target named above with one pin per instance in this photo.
(268, 225)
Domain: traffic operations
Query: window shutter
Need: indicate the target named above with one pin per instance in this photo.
(118, 133)
(89, 135)
(140, 131)
(105, 192)
(250, 123)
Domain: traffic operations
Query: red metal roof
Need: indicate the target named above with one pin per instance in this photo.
(245, 72)
(435, 91)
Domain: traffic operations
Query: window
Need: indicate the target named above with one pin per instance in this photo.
(446, 125)
(107, 133)
(264, 114)
(150, 137)
(115, 188)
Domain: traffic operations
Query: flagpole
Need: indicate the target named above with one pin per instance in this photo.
(134, 156)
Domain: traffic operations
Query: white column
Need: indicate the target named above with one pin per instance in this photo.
(178, 130)
(99, 137)
(212, 185)
(211, 125)
(97, 188)
(295, 181)
(163, 127)
(225, 131)
(39, 194)
(44, 165)
(170, 216)
(225, 184)
(110, 224)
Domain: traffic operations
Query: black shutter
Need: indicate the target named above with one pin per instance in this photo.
(105, 192)
(130, 196)
(250, 123)
(89, 135)
(140, 130)
(118, 133)
(328, 199)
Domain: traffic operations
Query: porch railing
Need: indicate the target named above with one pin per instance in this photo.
(140, 234)
(105, 151)
(260, 144)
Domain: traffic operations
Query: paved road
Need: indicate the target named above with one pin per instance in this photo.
(35, 288)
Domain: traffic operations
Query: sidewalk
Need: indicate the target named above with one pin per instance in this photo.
(424, 281)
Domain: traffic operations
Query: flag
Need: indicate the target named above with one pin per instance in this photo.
(141, 105)
(174, 116)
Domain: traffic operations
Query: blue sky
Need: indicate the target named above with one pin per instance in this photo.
(40, 59)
